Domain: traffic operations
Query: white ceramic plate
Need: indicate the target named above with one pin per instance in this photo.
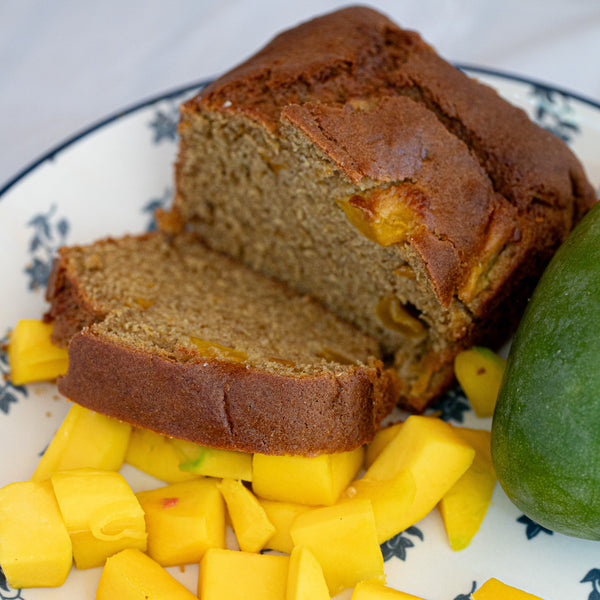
(107, 181)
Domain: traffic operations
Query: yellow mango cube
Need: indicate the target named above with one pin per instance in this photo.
(382, 438)
(183, 520)
(465, 505)
(101, 513)
(35, 548)
(235, 575)
(155, 455)
(282, 515)
(391, 499)
(493, 589)
(85, 439)
(31, 354)
(380, 215)
(343, 538)
(433, 453)
(305, 577)
(250, 522)
(313, 480)
(479, 372)
(213, 462)
(132, 575)
(372, 590)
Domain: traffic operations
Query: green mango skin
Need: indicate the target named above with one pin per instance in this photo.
(546, 426)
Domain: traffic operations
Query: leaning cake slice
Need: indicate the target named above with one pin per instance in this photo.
(172, 337)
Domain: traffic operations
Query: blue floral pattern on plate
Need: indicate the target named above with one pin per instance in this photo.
(593, 577)
(49, 233)
(532, 528)
(49, 200)
(555, 112)
(164, 123)
(9, 393)
(6, 592)
(398, 545)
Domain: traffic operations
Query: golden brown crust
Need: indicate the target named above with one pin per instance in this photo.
(70, 310)
(483, 195)
(387, 110)
(431, 170)
(227, 405)
(358, 55)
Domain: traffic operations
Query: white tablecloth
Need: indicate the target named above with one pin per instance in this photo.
(65, 64)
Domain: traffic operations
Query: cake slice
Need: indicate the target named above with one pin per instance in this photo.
(349, 160)
(172, 337)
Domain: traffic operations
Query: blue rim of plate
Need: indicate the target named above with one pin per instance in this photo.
(49, 155)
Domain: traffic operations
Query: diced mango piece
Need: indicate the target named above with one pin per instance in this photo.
(35, 548)
(382, 438)
(465, 505)
(493, 589)
(395, 315)
(305, 577)
(155, 455)
(85, 439)
(250, 522)
(282, 515)
(343, 538)
(235, 575)
(213, 462)
(183, 520)
(433, 453)
(479, 372)
(313, 480)
(392, 501)
(101, 513)
(214, 350)
(132, 575)
(31, 354)
(382, 215)
(372, 590)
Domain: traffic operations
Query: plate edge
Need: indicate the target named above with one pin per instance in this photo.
(48, 155)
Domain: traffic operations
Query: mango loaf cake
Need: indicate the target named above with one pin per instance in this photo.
(170, 336)
(350, 161)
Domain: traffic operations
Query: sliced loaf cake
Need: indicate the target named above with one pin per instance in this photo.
(170, 336)
(350, 161)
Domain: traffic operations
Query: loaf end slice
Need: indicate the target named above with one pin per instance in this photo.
(349, 160)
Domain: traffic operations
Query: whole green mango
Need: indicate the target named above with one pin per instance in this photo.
(546, 425)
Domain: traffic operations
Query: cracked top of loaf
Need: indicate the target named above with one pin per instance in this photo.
(440, 162)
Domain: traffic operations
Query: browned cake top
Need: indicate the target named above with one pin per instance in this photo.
(470, 172)
(358, 53)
